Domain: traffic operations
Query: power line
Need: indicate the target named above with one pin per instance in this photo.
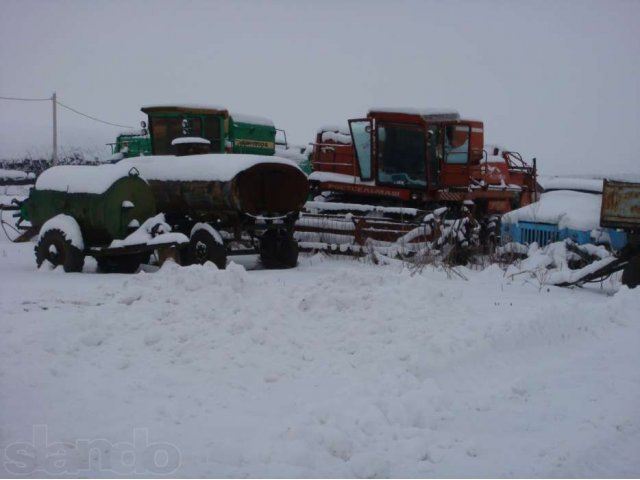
(92, 118)
(27, 99)
(67, 107)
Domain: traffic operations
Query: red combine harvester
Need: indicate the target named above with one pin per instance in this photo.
(400, 178)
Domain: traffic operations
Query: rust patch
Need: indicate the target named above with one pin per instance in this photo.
(620, 205)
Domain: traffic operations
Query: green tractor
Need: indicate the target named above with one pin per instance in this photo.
(131, 144)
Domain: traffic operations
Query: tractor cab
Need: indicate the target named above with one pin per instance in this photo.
(225, 132)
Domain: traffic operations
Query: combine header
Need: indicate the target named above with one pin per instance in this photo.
(400, 180)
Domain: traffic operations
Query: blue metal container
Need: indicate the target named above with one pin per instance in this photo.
(545, 233)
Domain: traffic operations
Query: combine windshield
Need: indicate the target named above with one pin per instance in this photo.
(401, 155)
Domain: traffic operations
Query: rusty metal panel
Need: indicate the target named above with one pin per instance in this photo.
(620, 205)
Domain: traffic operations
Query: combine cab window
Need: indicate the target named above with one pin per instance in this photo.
(402, 155)
(456, 144)
(361, 134)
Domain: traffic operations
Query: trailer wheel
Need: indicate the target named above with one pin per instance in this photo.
(122, 263)
(631, 273)
(54, 247)
(203, 248)
(278, 249)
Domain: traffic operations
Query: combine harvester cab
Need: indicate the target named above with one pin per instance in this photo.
(406, 165)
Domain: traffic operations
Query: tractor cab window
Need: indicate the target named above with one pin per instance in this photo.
(191, 127)
(456, 144)
(212, 132)
(401, 155)
(166, 129)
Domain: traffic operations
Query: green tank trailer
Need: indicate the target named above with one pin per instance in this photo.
(105, 200)
(93, 210)
(248, 203)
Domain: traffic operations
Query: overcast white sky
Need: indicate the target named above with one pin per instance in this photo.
(558, 80)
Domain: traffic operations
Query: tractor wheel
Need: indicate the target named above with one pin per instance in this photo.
(278, 249)
(203, 247)
(122, 263)
(54, 247)
(631, 273)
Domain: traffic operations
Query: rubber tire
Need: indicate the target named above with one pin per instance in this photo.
(203, 248)
(278, 250)
(122, 263)
(631, 273)
(70, 257)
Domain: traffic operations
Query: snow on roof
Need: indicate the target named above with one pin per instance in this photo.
(242, 118)
(431, 113)
(491, 147)
(81, 178)
(571, 183)
(290, 153)
(564, 208)
(182, 140)
(210, 167)
(184, 106)
(336, 137)
(494, 159)
(344, 130)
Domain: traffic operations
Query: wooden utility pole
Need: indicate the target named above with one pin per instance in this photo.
(55, 130)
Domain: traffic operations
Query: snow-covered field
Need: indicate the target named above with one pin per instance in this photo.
(335, 368)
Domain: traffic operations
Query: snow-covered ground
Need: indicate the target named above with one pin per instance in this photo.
(335, 368)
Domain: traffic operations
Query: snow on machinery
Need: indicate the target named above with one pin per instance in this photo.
(226, 132)
(426, 172)
(581, 233)
(569, 208)
(130, 144)
(106, 211)
(229, 204)
(250, 200)
(216, 204)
